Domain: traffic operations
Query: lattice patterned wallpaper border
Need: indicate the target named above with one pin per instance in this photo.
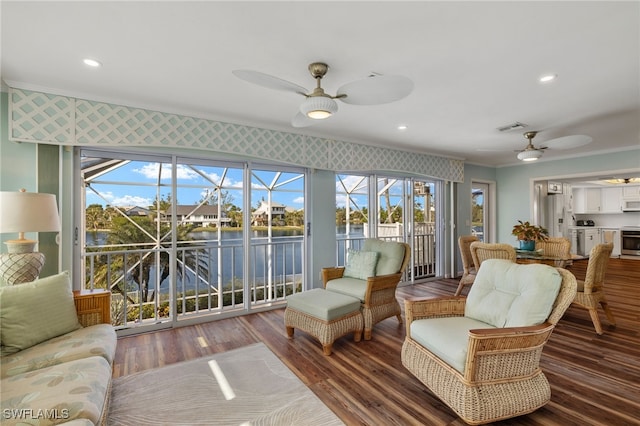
(46, 118)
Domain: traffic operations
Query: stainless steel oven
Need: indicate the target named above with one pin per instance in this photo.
(630, 236)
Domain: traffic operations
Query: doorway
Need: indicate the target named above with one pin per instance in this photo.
(481, 211)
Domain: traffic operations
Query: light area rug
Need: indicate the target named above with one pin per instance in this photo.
(245, 386)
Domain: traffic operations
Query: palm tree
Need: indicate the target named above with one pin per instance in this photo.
(137, 270)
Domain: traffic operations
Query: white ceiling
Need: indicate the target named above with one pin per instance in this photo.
(475, 66)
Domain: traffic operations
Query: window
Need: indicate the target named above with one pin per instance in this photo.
(405, 209)
(177, 238)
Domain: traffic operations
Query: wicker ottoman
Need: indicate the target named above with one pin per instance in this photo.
(325, 315)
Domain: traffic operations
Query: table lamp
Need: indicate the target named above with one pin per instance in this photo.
(25, 212)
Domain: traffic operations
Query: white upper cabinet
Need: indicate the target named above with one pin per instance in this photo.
(611, 200)
(631, 192)
(587, 200)
(598, 200)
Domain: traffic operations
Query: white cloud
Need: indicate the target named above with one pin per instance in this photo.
(341, 201)
(131, 200)
(150, 171)
(298, 200)
(350, 182)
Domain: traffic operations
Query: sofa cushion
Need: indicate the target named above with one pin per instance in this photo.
(360, 264)
(33, 312)
(390, 255)
(72, 390)
(349, 286)
(447, 338)
(322, 304)
(506, 294)
(96, 340)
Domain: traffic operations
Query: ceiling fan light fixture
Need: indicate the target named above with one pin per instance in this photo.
(319, 107)
(530, 154)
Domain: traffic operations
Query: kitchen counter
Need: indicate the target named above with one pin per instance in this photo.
(594, 227)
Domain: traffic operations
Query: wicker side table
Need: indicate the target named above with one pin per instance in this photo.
(93, 306)
(325, 315)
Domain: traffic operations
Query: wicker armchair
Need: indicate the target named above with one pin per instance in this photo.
(500, 376)
(557, 247)
(379, 297)
(468, 268)
(591, 290)
(483, 251)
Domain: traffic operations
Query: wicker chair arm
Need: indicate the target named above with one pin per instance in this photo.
(329, 274)
(516, 349)
(435, 307)
(483, 333)
(384, 281)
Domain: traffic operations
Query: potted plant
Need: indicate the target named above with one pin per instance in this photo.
(527, 234)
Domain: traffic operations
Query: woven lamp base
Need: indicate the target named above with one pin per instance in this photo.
(18, 268)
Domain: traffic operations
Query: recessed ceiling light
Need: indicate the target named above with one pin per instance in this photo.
(91, 62)
(403, 127)
(547, 78)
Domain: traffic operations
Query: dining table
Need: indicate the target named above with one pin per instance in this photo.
(538, 256)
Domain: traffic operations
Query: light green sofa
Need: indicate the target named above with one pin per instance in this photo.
(52, 369)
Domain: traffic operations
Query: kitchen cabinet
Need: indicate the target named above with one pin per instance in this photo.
(611, 235)
(591, 239)
(631, 192)
(583, 239)
(587, 200)
(598, 200)
(611, 200)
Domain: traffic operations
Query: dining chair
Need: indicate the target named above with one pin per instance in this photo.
(559, 247)
(591, 290)
(468, 268)
(482, 251)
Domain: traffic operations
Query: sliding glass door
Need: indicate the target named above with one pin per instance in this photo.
(175, 239)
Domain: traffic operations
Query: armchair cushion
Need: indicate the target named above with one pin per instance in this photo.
(507, 294)
(350, 286)
(447, 338)
(33, 312)
(390, 255)
(360, 264)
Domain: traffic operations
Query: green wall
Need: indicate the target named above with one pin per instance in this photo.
(18, 164)
(515, 183)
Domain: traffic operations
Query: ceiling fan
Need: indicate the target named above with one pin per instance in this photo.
(532, 153)
(318, 105)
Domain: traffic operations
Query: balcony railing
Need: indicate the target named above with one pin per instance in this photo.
(210, 275)
(424, 247)
(209, 278)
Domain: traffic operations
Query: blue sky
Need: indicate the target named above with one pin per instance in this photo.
(135, 183)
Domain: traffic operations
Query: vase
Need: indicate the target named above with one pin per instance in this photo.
(528, 245)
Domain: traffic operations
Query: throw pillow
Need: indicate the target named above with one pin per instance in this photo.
(31, 313)
(360, 264)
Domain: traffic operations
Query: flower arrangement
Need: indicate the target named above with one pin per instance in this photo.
(524, 231)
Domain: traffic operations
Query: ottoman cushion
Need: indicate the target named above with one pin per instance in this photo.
(324, 305)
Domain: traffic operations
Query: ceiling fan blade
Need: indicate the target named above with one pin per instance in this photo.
(376, 89)
(569, 142)
(301, 120)
(269, 81)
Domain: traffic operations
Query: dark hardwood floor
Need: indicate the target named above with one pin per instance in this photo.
(595, 380)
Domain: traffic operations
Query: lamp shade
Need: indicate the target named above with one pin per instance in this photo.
(530, 154)
(28, 212)
(318, 107)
